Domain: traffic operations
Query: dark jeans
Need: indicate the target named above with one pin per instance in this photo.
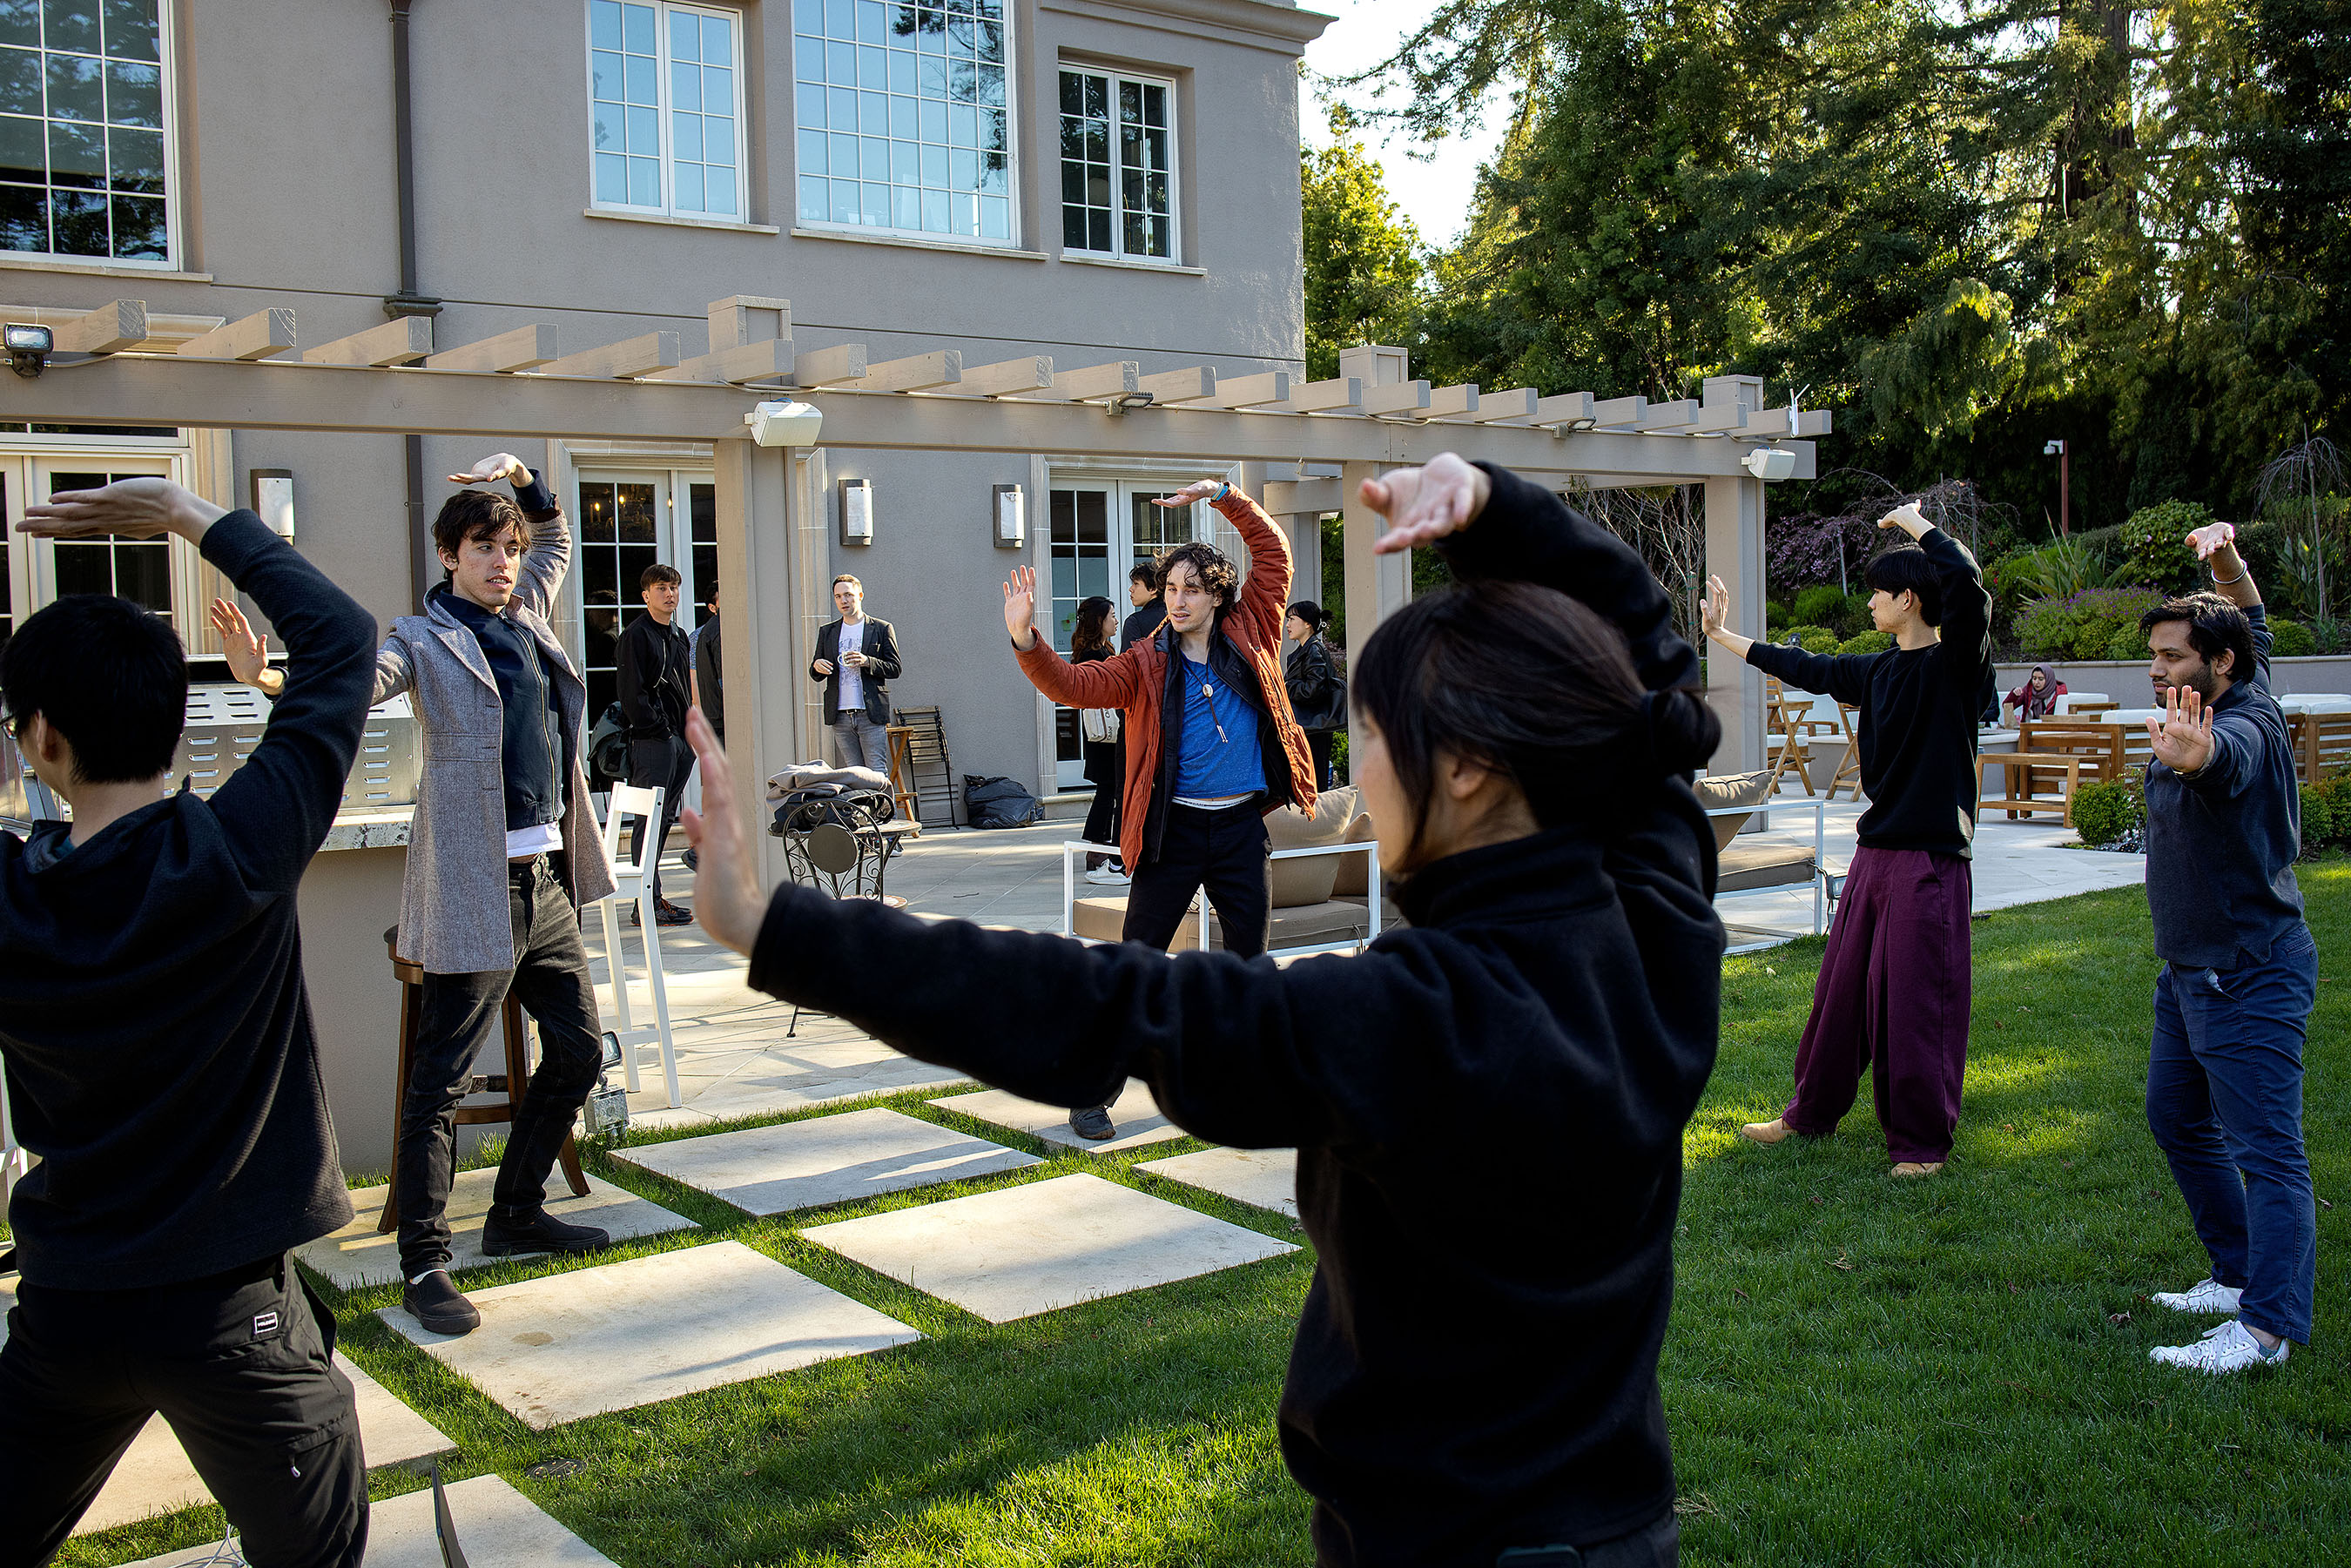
(2224, 1100)
(460, 1012)
(1222, 851)
(241, 1367)
(1318, 744)
(664, 765)
(1892, 1000)
(1106, 770)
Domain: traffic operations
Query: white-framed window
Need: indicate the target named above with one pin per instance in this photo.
(85, 140)
(629, 519)
(1118, 164)
(162, 574)
(666, 107)
(903, 113)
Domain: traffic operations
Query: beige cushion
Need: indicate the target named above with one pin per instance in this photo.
(1354, 878)
(1744, 867)
(1307, 925)
(1391, 918)
(1732, 790)
(1308, 879)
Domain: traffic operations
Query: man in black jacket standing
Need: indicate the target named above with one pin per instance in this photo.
(656, 662)
(1895, 983)
(160, 1059)
(855, 657)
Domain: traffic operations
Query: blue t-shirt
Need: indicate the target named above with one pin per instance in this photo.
(1220, 755)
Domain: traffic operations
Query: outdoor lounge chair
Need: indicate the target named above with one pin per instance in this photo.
(1731, 801)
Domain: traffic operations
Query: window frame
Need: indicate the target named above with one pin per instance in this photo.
(1115, 75)
(1013, 239)
(168, 115)
(664, 106)
(31, 562)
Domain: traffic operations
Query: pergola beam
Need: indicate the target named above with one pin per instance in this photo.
(1029, 372)
(829, 367)
(403, 342)
(761, 359)
(1244, 392)
(1619, 412)
(1489, 407)
(917, 372)
(621, 361)
(1115, 379)
(258, 337)
(108, 329)
(1186, 385)
(1409, 398)
(1319, 397)
(524, 349)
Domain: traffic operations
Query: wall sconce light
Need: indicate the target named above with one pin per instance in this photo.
(856, 511)
(273, 500)
(1011, 516)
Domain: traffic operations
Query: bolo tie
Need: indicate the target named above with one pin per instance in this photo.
(1209, 692)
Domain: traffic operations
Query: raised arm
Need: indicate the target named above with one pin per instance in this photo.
(1265, 593)
(1965, 627)
(2216, 546)
(1101, 683)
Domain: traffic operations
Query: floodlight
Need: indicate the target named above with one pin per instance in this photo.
(787, 424)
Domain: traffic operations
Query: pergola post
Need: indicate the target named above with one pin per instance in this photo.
(1734, 552)
(1377, 585)
(759, 647)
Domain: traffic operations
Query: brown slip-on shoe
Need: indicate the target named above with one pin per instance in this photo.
(1918, 1168)
(1772, 1132)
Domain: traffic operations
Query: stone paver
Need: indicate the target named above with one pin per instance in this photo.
(153, 1476)
(1027, 1249)
(826, 1159)
(575, 1344)
(498, 1527)
(359, 1254)
(1266, 1179)
(1136, 1115)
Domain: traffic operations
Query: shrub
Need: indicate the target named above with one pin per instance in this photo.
(2318, 826)
(2110, 813)
(2063, 569)
(2155, 552)
(1775, 616)
(1856, 618)
(2082, 625)
(2293, 639)
(1822, 606)
(2128, 643)
(1867, 642)
(1818, 640)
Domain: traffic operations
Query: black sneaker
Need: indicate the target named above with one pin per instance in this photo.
(1093, 1123)
(693, 860)
(537, 1230)
(670, 913)
(434, 1303)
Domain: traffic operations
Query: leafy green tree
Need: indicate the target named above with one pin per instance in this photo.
(1362, 257)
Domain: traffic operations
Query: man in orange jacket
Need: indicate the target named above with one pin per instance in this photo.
(1211, 746)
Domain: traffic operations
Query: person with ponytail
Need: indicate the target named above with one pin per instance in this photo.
(1472, 1380)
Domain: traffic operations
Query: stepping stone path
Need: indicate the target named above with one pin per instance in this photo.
(498, 1527)
(359, 1255)
(827, 1159)
(1264, 1178)
(153, 1476)
(1135, 1115)
(569, 1345)
(1027, 1249)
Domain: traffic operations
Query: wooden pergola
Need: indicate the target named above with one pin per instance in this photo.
(1302, 447)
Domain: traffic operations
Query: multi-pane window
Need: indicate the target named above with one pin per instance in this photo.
(1118, 169)
(82, 153)
(664, 90)
(1080, 556)
(901, 114)
(619, 523)
(134, 569)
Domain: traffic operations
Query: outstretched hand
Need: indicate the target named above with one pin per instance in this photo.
(727, 899)
(1907, 517)
(1423, 505)
(1197, 490)
(491, 469)
(246, 651)
(2182, 738)
(2210, 538)
(1020, 606)
(1716, 611)
(142, 507)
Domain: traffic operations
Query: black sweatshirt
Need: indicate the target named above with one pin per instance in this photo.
(157, 1034)
(1920, 709)
(1487, 1108)
(656, 670)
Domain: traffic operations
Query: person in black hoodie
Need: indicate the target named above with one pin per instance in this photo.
(160, 1059)
(1895, 985)
(1544, 1027)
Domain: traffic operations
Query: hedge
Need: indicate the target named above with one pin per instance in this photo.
(2108, 811)
(1867, 642)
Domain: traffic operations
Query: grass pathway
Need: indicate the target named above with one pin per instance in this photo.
(1859, 1371)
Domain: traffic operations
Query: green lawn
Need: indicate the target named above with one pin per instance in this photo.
(1859, 1371)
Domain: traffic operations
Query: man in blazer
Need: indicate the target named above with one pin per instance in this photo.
(854, 656)
(503, 853)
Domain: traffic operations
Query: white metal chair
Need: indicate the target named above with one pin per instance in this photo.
(634, 884)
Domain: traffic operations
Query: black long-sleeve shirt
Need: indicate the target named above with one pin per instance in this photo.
(1920, 709)
(155, 1027)
(1468, 1375)
(2221, 841)
(656, 678)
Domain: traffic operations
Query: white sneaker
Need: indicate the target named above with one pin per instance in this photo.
(2204, 1296)
(1105, 877)
(2230, 1347)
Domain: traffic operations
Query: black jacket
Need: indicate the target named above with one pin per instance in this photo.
(881, 666)
(1142, 623)
(710, 676)
(1318, 693)
(655, 663)
(1470, 1374)
(156, 1025)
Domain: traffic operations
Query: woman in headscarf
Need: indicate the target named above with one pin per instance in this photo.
(2037, 697)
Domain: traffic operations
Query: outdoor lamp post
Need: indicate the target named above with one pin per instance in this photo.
(2064, 484)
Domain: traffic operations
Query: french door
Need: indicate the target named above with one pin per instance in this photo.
(1098, 530)
(630, 519)
(158, 573)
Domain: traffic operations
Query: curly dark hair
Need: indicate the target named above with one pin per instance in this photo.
(1212, 566)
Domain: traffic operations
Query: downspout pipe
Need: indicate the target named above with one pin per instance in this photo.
(410, 300)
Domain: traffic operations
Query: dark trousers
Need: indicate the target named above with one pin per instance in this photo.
(664, 765)
(1318, 745)
(460, 1012)
(241, 1366)
(1106, 770)
(1222, 851)
(2225, 1101)
(1892, 1000)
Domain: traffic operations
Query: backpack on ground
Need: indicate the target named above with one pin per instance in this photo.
(999, 803)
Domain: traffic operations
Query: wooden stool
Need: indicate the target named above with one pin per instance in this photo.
(510, 1082)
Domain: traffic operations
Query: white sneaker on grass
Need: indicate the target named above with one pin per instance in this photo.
(2230, 1347)
(2204, 1296)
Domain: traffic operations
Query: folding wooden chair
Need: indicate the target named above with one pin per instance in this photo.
(1848, 767)
(932, 770)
